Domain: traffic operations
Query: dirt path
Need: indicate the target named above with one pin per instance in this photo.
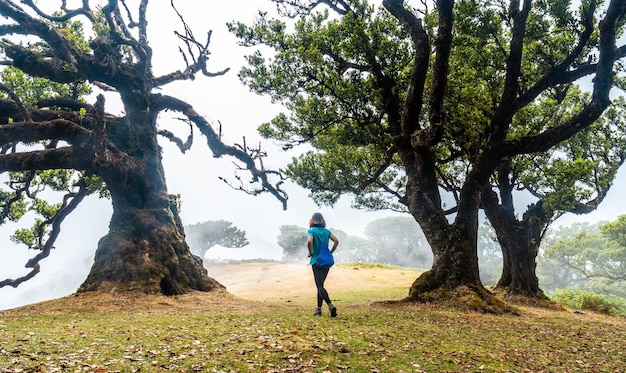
(289, 282)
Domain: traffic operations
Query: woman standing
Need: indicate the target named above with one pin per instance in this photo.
(318, 235)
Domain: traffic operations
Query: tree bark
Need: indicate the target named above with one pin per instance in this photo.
(519, 240)
(455, 264)
(145, 250)
(454, 274)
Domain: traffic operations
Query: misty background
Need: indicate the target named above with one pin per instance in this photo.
(195, 175)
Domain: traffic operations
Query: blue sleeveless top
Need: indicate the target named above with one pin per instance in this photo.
(319, 234)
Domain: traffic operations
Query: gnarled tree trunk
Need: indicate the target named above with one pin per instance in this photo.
(454, 264)
(519, 240)
(454, 274)
(145, 250)
(145, 247)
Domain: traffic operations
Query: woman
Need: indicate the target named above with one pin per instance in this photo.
(318, 234)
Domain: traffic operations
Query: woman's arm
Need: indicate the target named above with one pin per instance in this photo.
(335, 242)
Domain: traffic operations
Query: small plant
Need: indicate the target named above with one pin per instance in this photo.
(585, 300)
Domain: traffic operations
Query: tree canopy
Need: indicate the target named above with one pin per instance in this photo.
(595, 259)
(292, 239)
(74, 145)
(405, 102)
(202, 236)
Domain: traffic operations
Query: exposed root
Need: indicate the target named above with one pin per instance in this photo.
(461, 298)
(536, 300)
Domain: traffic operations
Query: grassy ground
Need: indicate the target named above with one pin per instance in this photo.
(218, 332)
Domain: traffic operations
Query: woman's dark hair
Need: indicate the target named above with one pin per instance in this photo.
(317, 220)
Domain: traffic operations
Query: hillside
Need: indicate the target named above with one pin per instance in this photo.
(264, 323)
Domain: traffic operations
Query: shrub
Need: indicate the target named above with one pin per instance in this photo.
(585, 300)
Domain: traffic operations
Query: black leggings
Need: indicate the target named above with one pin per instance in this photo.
(319, 274)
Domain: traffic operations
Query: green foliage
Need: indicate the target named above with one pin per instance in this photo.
(44, 208)
(293, 241)
(591, 257)
(57, 180)
(588, 301)
(12, 207)
(202, 236)
(73, 31)
(31, 90)
(28, 236)
(96, 184)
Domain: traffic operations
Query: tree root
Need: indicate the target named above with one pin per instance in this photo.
(462, 298)
(536, 301)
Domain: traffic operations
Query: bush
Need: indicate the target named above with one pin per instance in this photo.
(585, 300)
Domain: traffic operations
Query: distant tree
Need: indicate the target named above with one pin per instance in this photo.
(610, 263)
(398, 101)
(293, 241)
(202, 236)
(552, 271)
(596, 260)
(116, 155)
(564, 232)
(489, 254)
(398, 241)
(615, 232)
(354, 249)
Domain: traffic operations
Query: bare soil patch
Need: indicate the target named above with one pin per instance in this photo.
(293, 282)
(259, 283)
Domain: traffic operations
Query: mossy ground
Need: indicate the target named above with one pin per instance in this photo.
(219, 332)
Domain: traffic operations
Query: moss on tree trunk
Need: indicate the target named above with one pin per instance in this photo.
(518, 270)
(454, 277)
(519, 240)
(145, 250)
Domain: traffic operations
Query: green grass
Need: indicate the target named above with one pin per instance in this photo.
(216, 333)
(373, 265)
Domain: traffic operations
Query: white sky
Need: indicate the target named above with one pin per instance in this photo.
(195, 175)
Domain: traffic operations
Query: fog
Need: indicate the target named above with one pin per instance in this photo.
(194, 175)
